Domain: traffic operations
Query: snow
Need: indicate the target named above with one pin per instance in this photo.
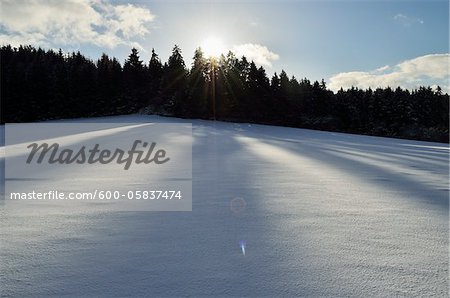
(276, 212)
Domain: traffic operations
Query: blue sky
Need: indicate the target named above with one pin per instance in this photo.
(362, 43)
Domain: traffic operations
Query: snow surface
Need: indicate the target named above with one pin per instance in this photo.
(316, 213)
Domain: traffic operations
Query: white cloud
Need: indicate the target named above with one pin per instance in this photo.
(407, 21)
(382, 68)
(259, 54)
(424, 70)
(433, 66)
(70, 22)
(131, 20)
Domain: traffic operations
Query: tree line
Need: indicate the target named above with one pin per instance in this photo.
(38, 84)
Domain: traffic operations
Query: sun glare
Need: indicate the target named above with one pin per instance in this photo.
(213, 46)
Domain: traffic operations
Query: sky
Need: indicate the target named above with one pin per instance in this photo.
(363, 43)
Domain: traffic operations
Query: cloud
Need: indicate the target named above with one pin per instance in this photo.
(382, 68)
(421, 71)
(259, 54)
(406, 20)
(71, 22)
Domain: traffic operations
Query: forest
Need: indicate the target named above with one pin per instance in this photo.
(39, 84)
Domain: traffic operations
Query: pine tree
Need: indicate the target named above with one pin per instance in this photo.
(175, 82)
(134, 78)
(155, 74)
(155, 66)
(198, 86)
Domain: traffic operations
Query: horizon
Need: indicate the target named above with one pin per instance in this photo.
(269, 75)
(346, 43)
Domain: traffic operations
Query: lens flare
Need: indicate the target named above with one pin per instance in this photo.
(238, 205)
(242, 245)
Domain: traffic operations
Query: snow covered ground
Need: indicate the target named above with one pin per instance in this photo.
(320, 213)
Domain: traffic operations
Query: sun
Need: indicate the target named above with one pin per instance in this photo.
(213, 46)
